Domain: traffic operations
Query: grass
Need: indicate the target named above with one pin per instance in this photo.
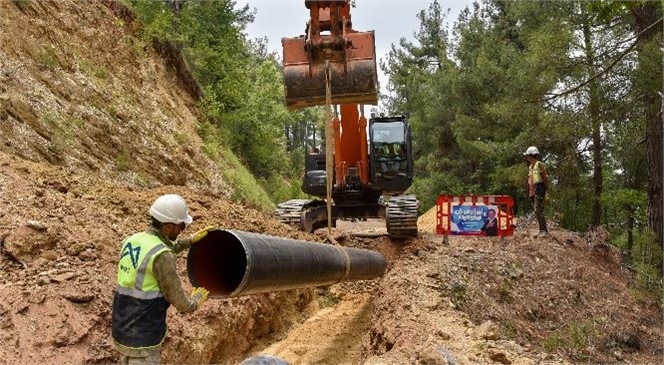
(180, 138)
(553, 341)
(245, 187)
(47, 58)
(122, 161)
(458, 295)
(101, 73)
(328, 300)
(510, 331)
(575, 338)
(23, 5)
(143, 180)
(505, 291)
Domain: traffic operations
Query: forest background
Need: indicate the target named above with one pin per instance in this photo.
(581, 80)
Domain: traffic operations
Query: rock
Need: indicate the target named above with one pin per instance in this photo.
(443, 335)
(37, 225)
(76, 248)
(35, 297)
(49, 255)
(63, 277)
(61, 339)
(88, 255)
(499, 356)
(488, 331)
(23, 309)
(24, 243)
(39, 262)
(76, 297)
(431, 354)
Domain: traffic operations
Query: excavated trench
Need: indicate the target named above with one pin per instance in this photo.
(334, 327)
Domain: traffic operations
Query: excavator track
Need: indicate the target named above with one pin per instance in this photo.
(289, 212)
(401, 216)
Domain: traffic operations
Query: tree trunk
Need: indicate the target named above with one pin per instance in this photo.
(595, 119)
(649, 50)
(630, 231)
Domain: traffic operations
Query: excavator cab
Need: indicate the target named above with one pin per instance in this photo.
(315, 178)
(391, 158)
(329, 36)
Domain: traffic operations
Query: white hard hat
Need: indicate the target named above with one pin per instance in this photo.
(170, 208)
(532, 150)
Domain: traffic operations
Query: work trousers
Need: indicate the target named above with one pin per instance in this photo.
(539, 213)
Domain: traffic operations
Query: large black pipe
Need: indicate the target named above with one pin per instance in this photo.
(231, 263)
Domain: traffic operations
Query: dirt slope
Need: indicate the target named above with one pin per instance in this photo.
(78, 90)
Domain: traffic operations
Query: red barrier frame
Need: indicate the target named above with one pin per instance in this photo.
(505, 216)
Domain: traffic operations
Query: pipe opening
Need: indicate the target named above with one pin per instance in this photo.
(218, 263)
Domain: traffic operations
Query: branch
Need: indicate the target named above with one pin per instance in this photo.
(605, 70)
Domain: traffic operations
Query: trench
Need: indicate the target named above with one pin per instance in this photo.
(334, 333)
(333, 328)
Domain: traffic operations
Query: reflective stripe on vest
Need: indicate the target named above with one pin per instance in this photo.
(535, 172)
(135, 277)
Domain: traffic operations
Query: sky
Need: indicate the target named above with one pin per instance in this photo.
(391, 20)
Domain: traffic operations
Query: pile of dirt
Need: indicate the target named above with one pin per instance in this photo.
(511, 300)
(427, 221)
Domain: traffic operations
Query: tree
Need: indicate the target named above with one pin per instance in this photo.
(649, 85)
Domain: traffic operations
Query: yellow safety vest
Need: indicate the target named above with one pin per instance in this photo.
(534, 173)
(139, 308)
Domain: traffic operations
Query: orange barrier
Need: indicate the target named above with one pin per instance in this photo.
(468, 215)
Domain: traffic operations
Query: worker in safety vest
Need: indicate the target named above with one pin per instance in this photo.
(148, 282)
(538, 182)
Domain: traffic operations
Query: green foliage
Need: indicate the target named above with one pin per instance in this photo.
(123, 161)
(24, 5)
(102, 73)
(242, 90)
(553, 341)
(246, 188)
(180, 138)
(458, 295)
(328, 300)
(47, 58)
(573, 339)
(505, 291)
(509, 330)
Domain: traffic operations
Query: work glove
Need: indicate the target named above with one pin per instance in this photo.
(200, 295)
(200, 234)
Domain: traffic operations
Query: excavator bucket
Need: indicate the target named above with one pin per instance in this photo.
(353, 72)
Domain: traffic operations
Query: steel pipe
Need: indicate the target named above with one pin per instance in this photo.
(231, 263)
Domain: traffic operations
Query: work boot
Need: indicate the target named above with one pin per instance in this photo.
(542, 234)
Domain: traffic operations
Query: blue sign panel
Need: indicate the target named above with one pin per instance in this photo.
(474, 220)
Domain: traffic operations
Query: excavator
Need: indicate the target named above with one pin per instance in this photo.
(335, 65)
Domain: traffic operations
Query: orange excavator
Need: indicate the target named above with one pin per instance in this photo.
(335, 65)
